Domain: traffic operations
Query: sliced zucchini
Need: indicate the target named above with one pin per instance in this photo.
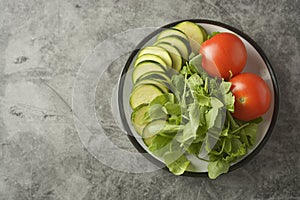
(158, 51)
(137, 118)
(143, 94)
(172, 32)
(196, 34)
(149, 57)
(145, 67)
(155, 75)
(175, 55)
(155, 82)
(151, 130)
(182, 46)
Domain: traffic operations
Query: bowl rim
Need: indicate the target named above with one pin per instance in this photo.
(223, 25)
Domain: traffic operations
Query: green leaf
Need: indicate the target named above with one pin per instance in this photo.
(201, 134)
(196, 60)
(195, 81)
(177, 165)
(202, 99)
(211, 116)
(163, 99)
(233, 124)
(156, 112)
(194, 148)
(172, 108)
(194, 114)
(175, 119)
(160, 145)
(219, 147)
(257, 120)
(203, 111)
(229, 101)
(248, 134)
(170, 130)
(227, 146)
(187, 134)
(178, 81)
(238, 149)
(225, 87)
(217, 168)
(212, 34)
(215, 102)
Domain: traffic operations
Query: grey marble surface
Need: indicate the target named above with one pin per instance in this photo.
(42, 46)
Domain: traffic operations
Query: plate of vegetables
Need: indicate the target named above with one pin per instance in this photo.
(198, 97)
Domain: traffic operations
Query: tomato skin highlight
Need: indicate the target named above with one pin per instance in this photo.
(223, 54)
(252, 96)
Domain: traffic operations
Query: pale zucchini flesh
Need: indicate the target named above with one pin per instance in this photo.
(195, 33)
(137, 118)
(158, 51)
(143, 94)
(175, 55)
(145, 67)
(172, 32)
(150, 57)
(151, 130)
(155, 82)
(183, 47)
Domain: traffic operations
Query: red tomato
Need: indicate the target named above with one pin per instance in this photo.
(223, 54)
(252, 96)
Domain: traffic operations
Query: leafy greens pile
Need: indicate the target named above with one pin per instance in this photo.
(195, 120)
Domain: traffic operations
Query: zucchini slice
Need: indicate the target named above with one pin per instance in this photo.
(155, 82)
(196, 34)
(182, 46)
(175, 55)
(151, 130)
(150, 57)
(137, 118)
(143, 94)
(145, 67)
(158, 51)
(155, 75)
(172, 31)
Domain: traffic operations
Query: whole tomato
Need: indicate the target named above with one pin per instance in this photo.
(224, 55)
(252, 96)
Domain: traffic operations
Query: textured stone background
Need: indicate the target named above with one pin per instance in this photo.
(42, 45)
